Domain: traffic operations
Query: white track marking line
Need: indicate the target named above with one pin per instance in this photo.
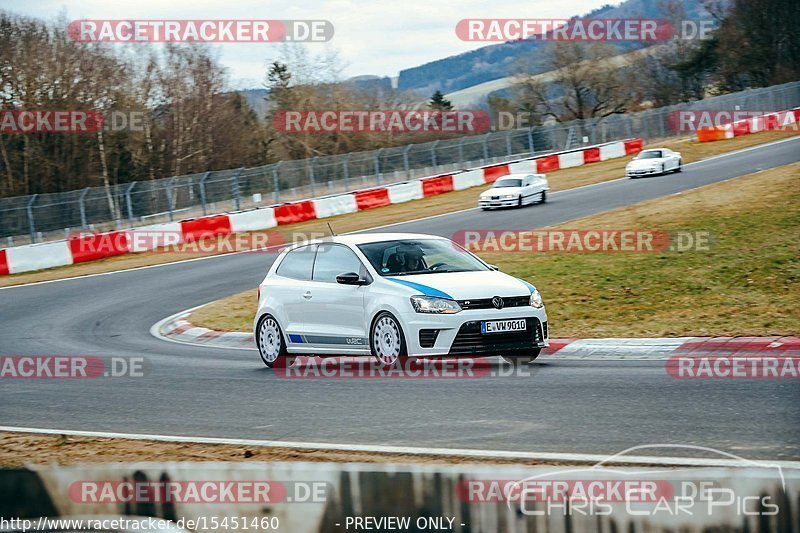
(261, 250)
(406, 450)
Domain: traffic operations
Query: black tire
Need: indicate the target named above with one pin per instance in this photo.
(680, 166)
(663, 168)
(522, 360)
(519, 202)
(543, 199)
(387, 342)
(269, 336)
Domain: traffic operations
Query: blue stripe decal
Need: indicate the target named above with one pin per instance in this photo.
(531, 287)
(424, 289)
(298, 339)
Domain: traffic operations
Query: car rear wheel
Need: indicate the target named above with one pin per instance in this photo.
(387, 342)
(543, 198)
(271, 345)
(520, 360)
(680, 166)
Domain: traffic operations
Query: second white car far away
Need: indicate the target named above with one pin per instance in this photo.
(652, 162)
(392, 296)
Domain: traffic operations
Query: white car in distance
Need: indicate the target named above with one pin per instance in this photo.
(654, 161)
(515, 190)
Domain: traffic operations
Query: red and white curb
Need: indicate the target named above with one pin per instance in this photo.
(95, 246)
(178, 328)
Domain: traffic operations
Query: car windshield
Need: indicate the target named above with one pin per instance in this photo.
(507, 183)
(424, 256)
(650, 154)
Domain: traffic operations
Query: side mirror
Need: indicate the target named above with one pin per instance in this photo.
(350, 278)
(493, 267)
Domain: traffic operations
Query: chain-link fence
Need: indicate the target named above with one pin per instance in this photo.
(53, 216)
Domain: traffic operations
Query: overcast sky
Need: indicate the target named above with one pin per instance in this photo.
(378, 37)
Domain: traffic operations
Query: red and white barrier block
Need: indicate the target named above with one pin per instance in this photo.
(92, 247)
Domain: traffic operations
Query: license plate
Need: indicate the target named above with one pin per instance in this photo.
(503, 326)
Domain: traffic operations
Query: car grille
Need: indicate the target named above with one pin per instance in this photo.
(470, 340)
(427, 337)
(495, 197)
(486, 303)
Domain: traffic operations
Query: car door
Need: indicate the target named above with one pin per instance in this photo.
(334, 313)
(290, 291)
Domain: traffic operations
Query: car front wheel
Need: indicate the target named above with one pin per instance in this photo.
(270, 343)
(386, 340)
(543, 198)
(520, 360)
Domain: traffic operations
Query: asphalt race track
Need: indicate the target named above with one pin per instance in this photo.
(575, 406)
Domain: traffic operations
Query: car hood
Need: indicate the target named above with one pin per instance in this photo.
(463, 285)
(644, 163)
(499, 191)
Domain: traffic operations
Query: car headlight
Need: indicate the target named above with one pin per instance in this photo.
(508, 196)
(536, 299)
(430, 304)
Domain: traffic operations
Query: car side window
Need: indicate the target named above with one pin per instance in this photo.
(298, 263)
(335, 259)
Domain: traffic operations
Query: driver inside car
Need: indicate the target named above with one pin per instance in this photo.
(411, 259)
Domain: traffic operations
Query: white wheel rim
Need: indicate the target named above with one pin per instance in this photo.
(386, 340)
(269, 340)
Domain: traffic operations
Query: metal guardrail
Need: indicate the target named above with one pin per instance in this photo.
(51, 216)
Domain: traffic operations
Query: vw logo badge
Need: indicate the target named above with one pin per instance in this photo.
(498, 302)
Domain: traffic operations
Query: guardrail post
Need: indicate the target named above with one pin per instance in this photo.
(461, 151)
(508, 141)
(128, 202)
(433, 154)
(31, 225)
(486, 148)
(202, 186)
(378, 164)
(237, 193)
(406, 166)
(82, 206)
(311, 179)
(170, 200)
(530, 139)
(276, 185)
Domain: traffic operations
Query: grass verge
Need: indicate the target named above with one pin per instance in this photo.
(747, 284)
(559, 180)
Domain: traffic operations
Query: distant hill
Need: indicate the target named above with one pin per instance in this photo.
(495, 61)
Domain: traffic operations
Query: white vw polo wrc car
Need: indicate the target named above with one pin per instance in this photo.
(394, 295)
(655, 161)
(515, 190)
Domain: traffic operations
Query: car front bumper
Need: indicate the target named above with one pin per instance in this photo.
(642, 172)
(490, 203)
(460, 334)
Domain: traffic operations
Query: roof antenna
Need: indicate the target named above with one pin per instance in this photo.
(333, 233)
